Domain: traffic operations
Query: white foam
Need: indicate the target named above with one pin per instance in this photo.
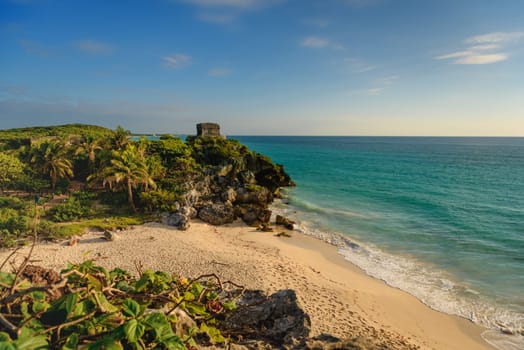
(433, 287)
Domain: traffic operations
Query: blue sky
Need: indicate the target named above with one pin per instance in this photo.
(290, 67)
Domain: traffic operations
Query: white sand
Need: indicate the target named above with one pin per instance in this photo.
(340, 299)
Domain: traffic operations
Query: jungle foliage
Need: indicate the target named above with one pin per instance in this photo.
(74, 175)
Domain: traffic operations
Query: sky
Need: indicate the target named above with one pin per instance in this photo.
(266, 67)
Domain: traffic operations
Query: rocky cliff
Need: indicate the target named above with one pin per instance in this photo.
(233, 182)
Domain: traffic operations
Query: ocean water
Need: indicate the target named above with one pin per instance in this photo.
(441, 218)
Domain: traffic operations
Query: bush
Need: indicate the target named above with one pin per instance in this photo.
(12, 225)
(159, 200)
(71, 210)
(12, 202)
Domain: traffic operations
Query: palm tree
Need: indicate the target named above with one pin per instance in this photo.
(120, 137)
(127, 169)
(50, 158)
(90, 146)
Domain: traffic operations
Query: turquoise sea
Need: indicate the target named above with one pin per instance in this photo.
(441, 218)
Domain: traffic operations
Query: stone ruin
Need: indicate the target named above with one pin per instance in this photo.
(208, 129)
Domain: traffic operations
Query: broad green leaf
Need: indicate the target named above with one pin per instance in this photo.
(189, 296)
(40, 306)
(134, 330)
(105, 305)
(215, 334)
(6, 346)
(83, 308)
(4, 337)
(38, 295)
(71, 342)
(197, 309)
(31, 343)
(24, 309)
(174, 343)
(60, 310)
(197, 288)
(131, 308)
(160, 325)
(229, 305)
(7, 278)
(94, 283)
(106, 344)
(144, 281)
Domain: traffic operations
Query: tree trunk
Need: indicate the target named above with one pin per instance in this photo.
(130, 195)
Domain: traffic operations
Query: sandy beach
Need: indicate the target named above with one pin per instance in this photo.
(340, 299)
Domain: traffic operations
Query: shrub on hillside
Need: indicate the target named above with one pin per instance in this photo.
(71, 210)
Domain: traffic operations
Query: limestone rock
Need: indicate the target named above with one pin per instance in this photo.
(229, 195)
(283, 221)
(188, 211)
(217, 214)
(277, 319)
(110, 236)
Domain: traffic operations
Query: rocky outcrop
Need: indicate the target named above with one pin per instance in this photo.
(283, 221)
(235, 183)
(276, 320)
(217, 214)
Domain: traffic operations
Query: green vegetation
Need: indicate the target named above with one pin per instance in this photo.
(80, 176)
(88, 307)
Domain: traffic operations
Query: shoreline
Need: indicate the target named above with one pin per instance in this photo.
(339, 297)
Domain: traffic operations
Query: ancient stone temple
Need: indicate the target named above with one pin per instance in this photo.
(208, 129)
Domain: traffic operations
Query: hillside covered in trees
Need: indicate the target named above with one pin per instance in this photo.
(74, 177)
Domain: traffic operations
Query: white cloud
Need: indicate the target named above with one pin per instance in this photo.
(483, 48)
(387, 80)
(93, 47)
(378, 86)
(374, 91)
(496, 37)
(177, 61)
(226, 11)
(219, 72)
(315, 42)
(359, 66)
(482, 59)
(454, 55)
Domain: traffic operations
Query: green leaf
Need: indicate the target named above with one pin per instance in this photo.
(106, 344)
(4, 337)
(60, 310)
(105, 305)
(174, 343)
(6, 346)
(24, 309)
(134, 330)
(189, 296)
(144, 281)
(197, 309)
(229, 305)
(7, 278)
(83, 308)
(94, 283)
(38, 295)
(131, 308)
(197, 288)
(71, 342)
(214, 333)
(160, 325)
(31, 343)
(39, 306)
